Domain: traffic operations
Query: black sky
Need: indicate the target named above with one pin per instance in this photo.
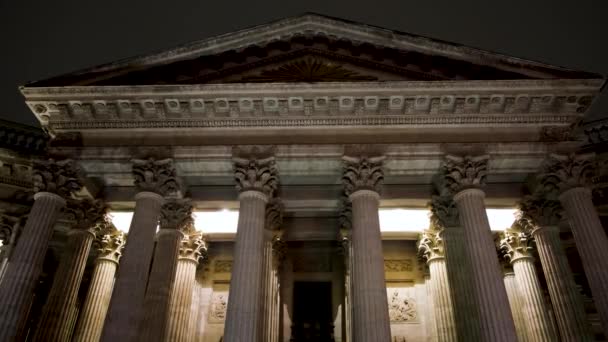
(46, 38)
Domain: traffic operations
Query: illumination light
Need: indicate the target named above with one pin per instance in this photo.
(501, 219)
(210, 222)
(121, 220)
(403, 220)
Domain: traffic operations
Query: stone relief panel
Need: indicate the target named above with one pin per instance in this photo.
(402, 305)
(218, 303)
(398, 265)
(222, 266)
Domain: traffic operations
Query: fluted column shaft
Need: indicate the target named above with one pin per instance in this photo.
(536, 315)
(463, 297)
(496, 322)
(22, 272)
(55, 323)
(591, 243)
(370, 305)
(515, 302)
(442, 300)
(95, 307)
(178, 326)
(130, 287)
(160, 284)
(566, 300)
(242, 317)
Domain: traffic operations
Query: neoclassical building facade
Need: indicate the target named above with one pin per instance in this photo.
(311, 179)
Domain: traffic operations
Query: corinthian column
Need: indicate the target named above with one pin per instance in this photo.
(430, 246)
(153, 179)
(52, 182)
(175, 220)
(256, 181)
(516, 246)
(445, 214)
(464, 176)
(515, 301)
(95, 307)
(274, 219)
(362, 178)
(56, 319)
(571, 176)
(544, 216)
(192, 249)
(9, 230)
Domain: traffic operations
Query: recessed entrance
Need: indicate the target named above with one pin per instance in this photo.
(312, 321)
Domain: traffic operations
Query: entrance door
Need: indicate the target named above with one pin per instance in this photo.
(312, 318)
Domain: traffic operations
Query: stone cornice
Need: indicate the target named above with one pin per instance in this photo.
(543, 102)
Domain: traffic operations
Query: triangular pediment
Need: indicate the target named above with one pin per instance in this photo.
(313, 48)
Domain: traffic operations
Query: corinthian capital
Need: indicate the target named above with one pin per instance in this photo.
(274, 214)
(564, 172)
(540, 211)
(465, 172)
(176, 214)
(193, 247)
(87, 214)
(155, 176)
(110, 244)
(515, 243)
(444, 212)
(362, 173)
(256, 174)
(430, 245)
(59, 177)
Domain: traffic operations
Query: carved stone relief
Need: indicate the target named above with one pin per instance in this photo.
(218, 304)
(223, 266)
(402, 307)
(398, 265)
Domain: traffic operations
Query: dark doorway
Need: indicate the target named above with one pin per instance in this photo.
(312, 318)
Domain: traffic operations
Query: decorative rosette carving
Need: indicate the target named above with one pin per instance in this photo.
(465, 172)
(157, 176)
(540, 211)
(444, 212)
(515, 243)
(430, 245)
(362, 173)
(274, 214)
(193, 247)
(59, 177)
(256, 174)
(87, 214)
(110, 244)
(177, 214)
(564, 172)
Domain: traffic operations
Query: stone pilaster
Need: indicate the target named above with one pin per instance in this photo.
(445, 214)
(93, 313)
(516, 245)
(175, 220)
(346, 249)
(362, 178)
(192, 250)
(513, 293)
(430, 247)
(256, 180)
(274, 220)
(464, 176)
(154, 179)
(53, 180)
(543, 215)
(571, 176)
(56, 319)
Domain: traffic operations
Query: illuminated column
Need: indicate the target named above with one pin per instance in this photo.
(346, 248)
(544, 215)
(52, 182)
(274, 219)
(430, 246)
(175, 221)
(256, 181)
(95, 307)
(9, 230)
(362, 178)
(517, 246)
(464, 176)
(572, 176)
(153, 179)
(445, 214)
(59, 310)
(515, 302)
(192, 249)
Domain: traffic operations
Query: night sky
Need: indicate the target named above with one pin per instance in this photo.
(41, 39)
